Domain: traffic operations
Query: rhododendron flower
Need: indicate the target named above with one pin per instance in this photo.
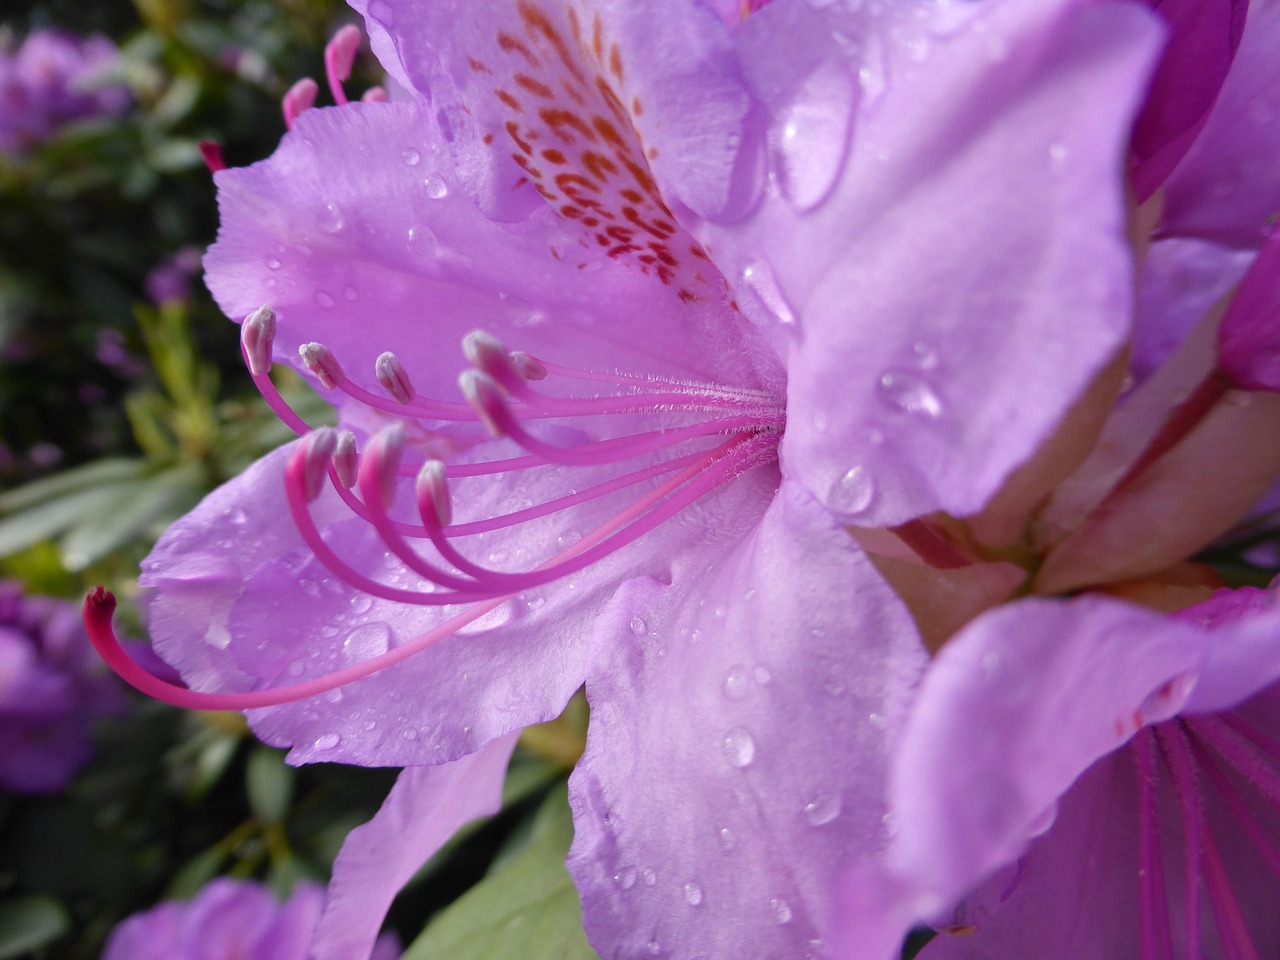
(229, 920)
(1107, 777)
(52, 690)
(744, 283)
(52, 78)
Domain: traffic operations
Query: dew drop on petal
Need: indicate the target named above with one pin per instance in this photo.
(692, 894)
(812, 138)
(851, 493)
(273, 263)
(1043, 821)
(436, 188)
(330, 218)
(411, 157)
(737, 682)
(781, 910)
(822, 809)
(653, 948)
(625, 878)
(361, 603)
(763, 301)
(739, 747)
(727, 840)
(367, 640)
(649, 877)
(327, 742)
(637, 626)
(325, 299)
(908, 392)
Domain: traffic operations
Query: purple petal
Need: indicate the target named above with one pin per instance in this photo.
(423, 810)
(736, 754)
(1228, 186)
(1249, 336)
(1203, 37)
(966, 274)
(365, 249)
(1242, 660)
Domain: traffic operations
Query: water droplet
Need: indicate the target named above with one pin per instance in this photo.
(638, 627)
(411, 157)
(781, 910)
(692, 894)
(367, 640)
(878, 721)
(810, 145)
(765, 304)
(851, 493)
(908, 392)
(296, 668)
(437, 189)
(625, 878)
(421, 241)
(926, 356)
(653, 948)
(649, 877)
(370, 724)
(361, 603)
(739, 747)
(327, 742)
(533, 603)
(762, 674)
(727, 840)
(273, 263)
(737, 682)
(325, 300)
(409, 733)
(822, 809)
(1043, 821)
(330, 218)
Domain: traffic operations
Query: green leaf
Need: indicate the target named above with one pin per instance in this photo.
(526, 908)
(268, 781)
(28, 923)
(161, 497)
(51, 518)
(99, 473)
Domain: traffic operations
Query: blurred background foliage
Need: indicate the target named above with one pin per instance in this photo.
(123, 400)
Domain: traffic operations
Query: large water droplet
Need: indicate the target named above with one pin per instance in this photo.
(727, 840)
(822, 809)
(273, 263)
(325, 299)
(739, 747)
(411, 157)
(422, 242)
(328, 741)
(649, 877)
(625, 878)
(692, 894)
(781, 910)
(361, 603)
(737, 683)
(437, 189)
(638, 626)
(812, 139)
(330, 218)
(908, 392)
(763, 300)
(367, 640)
(851, 493)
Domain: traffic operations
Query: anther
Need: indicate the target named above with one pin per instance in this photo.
(297, 99)
(345, 464)
(432, 489)
(380, 462)
(374, 95)
(257, 334)
(487, 354)
(322, 364)
(317, 451)
(339, 55)
(485, 397)
(529, 367)
(393, 377)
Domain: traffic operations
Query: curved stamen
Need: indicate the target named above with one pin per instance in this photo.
(339, 55)
(297, 99)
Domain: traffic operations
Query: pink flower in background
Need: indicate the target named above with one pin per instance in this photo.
(55, 77)
(229, 920)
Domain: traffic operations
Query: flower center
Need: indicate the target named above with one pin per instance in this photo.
(699, 437)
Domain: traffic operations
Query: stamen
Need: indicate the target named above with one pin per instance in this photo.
(298, 98)
(432, 488)
(378, 468)
(530, 368)
(339, 55)
(374, 95)
(344, 459)
(257, 335)
(323, 365)
(317, 450)
(211, 154)
(393, 377)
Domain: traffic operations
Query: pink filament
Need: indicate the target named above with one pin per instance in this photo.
(1153, 904)
(1173, 739)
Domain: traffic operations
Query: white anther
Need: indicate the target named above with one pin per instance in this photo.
(257, 334)
(393, 377)
(432, 488)
(317, 453)
(480, 347)
(482, 392)
(344, 458)
(530, 368)
(383, 455)
(323, 364)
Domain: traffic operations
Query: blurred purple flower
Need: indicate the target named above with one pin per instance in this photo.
(229, 920)
(52, 78)
(52, 689)
(171, 280)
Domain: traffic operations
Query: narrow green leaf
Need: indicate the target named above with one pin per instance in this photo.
(51, 518)
(28, 923)
(269, 784)
(98, 473)
(526, 908)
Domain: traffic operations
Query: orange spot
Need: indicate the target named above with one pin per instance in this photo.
(665, 275)
(697, 251)
(537, 23)
(590, 222)
(574, 92)
(487, 138)
(513, 45)
(508, 99)
(636, 107)
(598, 165)
(597, 38)
(555, 156)
(623, 248)
(621, 234)
(608, 131)
(477, 65)
(574, 26)
(569, 181)
(664, 255)
(687, 296)
(652, 154)
(611, 99)
(641, 176)
(513, 131)
(570, 211)
(635, 196)
(559, 119)
(524, 164)
(615, 61)
(536, 87)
